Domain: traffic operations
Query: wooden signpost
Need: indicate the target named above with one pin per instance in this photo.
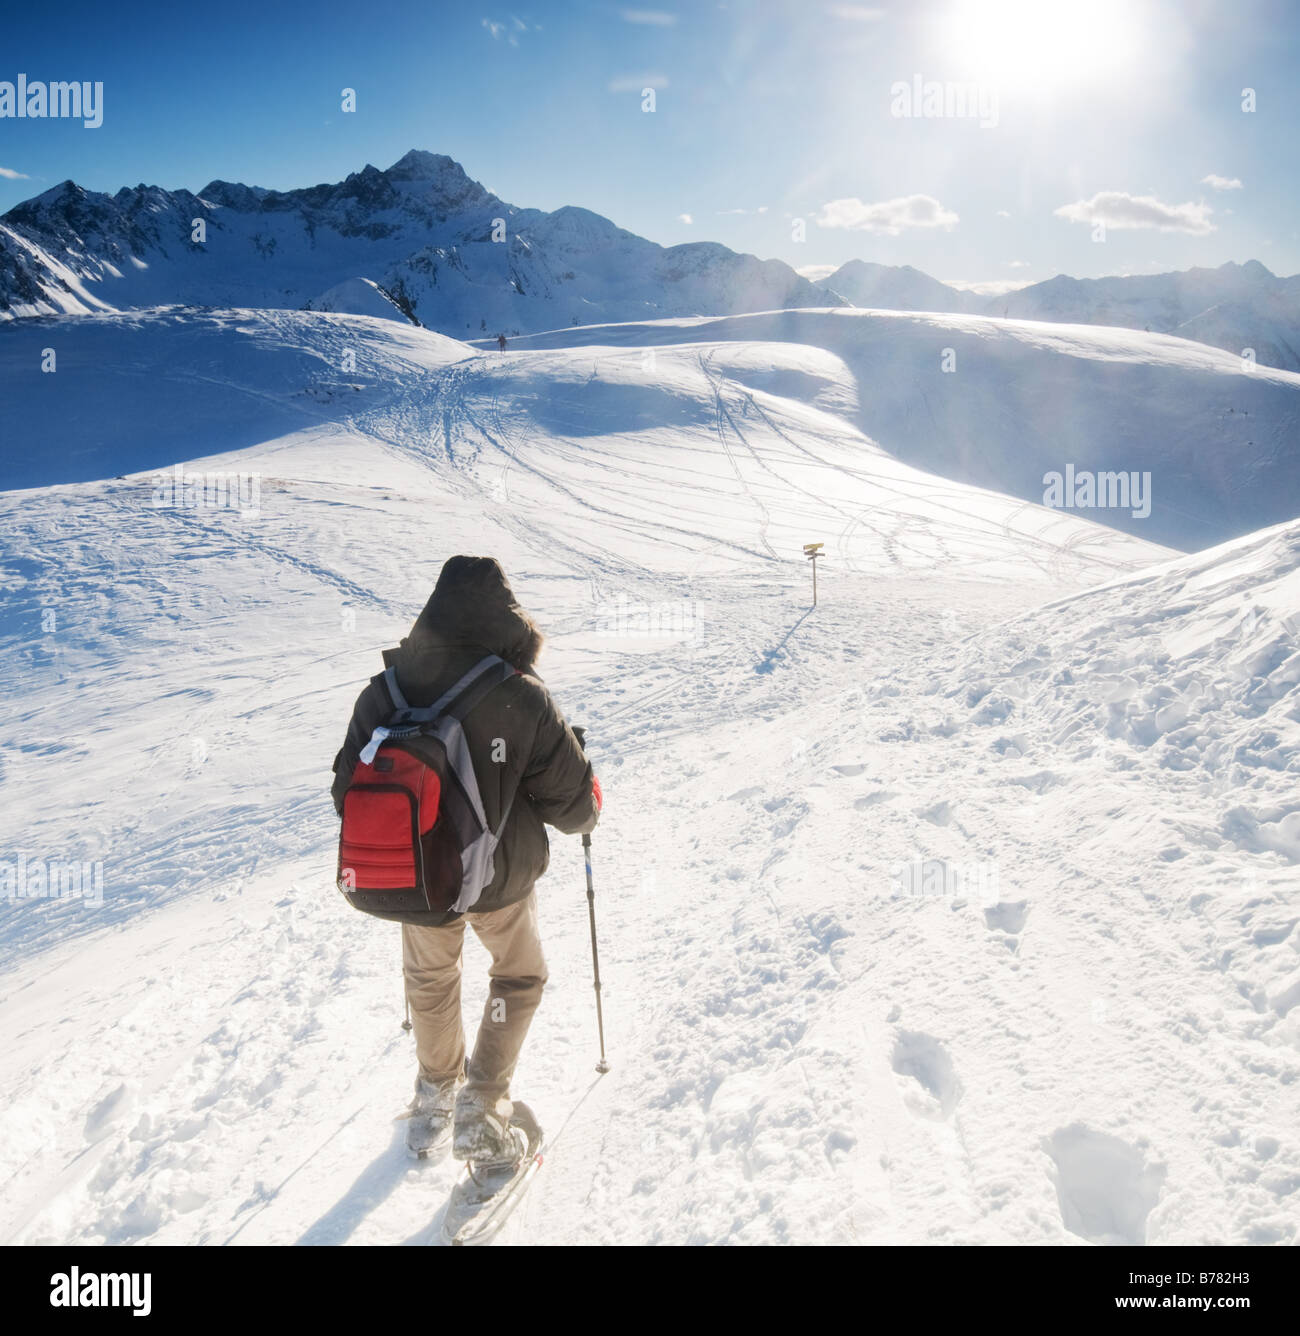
(812, 551)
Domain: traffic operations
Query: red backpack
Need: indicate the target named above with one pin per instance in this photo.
(414, 834)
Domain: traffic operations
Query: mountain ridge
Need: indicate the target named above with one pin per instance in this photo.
(1257, 309)
(450, 252)
(452, 255)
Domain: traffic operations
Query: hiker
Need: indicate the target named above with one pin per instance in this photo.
(501, 342)
(531, 772)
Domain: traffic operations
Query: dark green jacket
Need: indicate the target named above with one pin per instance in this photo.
(521, 746)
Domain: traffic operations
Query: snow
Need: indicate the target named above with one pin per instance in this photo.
(357, 296)
(961, 908)
(1021, 399)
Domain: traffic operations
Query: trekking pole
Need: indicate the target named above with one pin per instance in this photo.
(602, 1066)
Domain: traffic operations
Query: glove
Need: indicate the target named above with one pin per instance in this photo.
(581, 735)
(596, 793)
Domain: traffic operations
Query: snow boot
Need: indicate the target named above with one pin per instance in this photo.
(429, 1121)
(484, 1133)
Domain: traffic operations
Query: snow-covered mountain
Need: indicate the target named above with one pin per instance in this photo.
(896, 288)
(961, 908)
(359, 296)
(443, 249)
(446, 252)
(1233, 307)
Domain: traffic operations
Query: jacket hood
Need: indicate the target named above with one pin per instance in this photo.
(472, 606)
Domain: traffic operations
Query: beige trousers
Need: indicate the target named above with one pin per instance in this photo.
(431, 960)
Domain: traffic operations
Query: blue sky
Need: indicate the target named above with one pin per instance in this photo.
(1124, 112)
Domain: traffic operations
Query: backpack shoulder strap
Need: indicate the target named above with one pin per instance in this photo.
(385, 685)
(457, 701)
(456, 704)
(389, 679)
(489, 672)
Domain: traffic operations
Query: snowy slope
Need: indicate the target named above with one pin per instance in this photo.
(804, 1049)
(1023, 398)
(196, 385)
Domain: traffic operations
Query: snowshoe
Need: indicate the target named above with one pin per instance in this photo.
(486, 1194)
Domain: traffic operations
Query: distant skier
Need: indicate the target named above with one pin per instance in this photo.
(501, 342)
(531, 771)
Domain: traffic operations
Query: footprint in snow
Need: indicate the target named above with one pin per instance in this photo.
(1105, 1186)
(873, 798)
(791, 814)
(825, 930)
(110, 1110)
(1007, 916)
(1039, 781)
(924, 1060)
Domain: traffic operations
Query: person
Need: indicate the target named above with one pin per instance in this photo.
(528, 763)
(501, 342)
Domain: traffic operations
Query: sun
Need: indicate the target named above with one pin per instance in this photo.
(1036, 43)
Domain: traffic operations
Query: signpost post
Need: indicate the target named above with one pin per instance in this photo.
(812, 551)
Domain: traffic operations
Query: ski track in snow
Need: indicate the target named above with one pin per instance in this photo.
(1091, 1035)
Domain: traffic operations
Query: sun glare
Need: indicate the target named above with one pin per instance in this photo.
(1033, 43)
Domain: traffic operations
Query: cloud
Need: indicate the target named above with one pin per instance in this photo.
(1221, 182)
(10, 175)
(722, 213)
(1017, 264)
(1115, 208)
(685, 218)
(889, 217)
(1002, 213)
(634, 83)
(510, 31)
(652, 18)
(856, 13)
